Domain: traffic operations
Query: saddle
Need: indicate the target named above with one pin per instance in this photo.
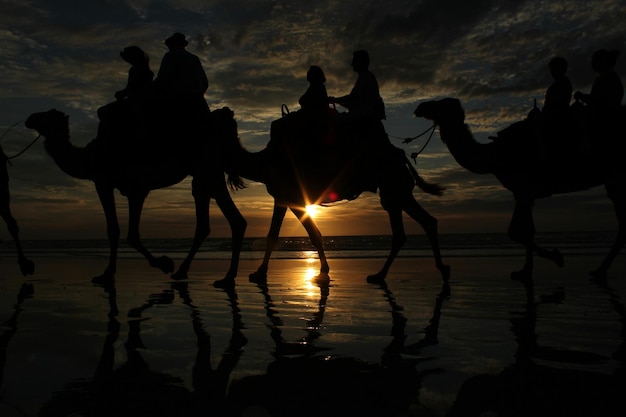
(575, 134)
(135, 128)
(334, 159)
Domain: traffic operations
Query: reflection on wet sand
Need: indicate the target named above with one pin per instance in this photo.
(536, 385)
(410, 346)
(133, 389)
(307, 380)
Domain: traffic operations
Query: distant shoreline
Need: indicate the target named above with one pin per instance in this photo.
(300, 247)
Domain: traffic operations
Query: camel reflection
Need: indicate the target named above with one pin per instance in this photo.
(303, 380)
(133, 389)
(26, 291)
(305, 345)
(540, 382)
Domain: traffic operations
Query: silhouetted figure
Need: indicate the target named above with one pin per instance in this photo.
(314, 101)
(362, 125)
(180, 86)
(303, 136)
(545, 128)
(601, 109)
(127, 116)
(559, 94)
(139, 75)
(607, 90)
(364, 101)
(552, 125)
(181, 74)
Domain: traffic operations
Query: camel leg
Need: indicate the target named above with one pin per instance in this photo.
(397, 241)
(619, 205)
(107, 200)
(522, 230)
(203, 229)
(27, 267)
(429, 224)
(316, 237)
(278, 215)
(238, 225)
(135, 207)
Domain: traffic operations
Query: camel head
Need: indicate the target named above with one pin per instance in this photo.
(224, 125)
(225, 130)
(444, 111)
(49, 123)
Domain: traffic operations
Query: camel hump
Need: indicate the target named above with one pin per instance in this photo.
(132, 125)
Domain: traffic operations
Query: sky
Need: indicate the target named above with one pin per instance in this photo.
(492, 55)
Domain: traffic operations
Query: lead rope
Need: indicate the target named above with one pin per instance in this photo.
(8, 158)
(409, 140)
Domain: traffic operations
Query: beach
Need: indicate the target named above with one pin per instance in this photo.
(301, 345)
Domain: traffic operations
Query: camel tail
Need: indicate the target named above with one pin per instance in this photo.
(427, 187)
(235, 182)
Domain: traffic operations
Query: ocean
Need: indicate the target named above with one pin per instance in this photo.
(452, 245)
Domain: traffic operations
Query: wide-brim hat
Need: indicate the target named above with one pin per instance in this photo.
(133, 54)
(177, 39)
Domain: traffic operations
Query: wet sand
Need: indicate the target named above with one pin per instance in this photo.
(297, 346)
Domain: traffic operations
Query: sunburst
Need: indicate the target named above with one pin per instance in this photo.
(312, 210)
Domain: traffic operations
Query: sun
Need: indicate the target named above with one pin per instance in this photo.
(312, 211)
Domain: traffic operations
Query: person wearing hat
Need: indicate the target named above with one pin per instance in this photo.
(139, 75)
(127, 113)
(181, 74)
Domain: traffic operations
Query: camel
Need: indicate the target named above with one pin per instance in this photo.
(27, 267)
(530, 179)
(292, 189)
(135, 178)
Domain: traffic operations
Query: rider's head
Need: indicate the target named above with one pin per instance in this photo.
(134, 55)
(604, 60)
(557, 66)
(315, 75)
(176, 41)
(360, 60)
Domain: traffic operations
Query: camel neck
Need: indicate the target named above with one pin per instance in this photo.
(469, 153)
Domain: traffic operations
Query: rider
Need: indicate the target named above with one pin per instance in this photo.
(603, 103)
(554, 121)
(559, 94)
(126, 114)
(314, 101)
(182, 82)
(607, 90)
(364, 101)
(361, 125)
(181, 74)
(139, 75)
